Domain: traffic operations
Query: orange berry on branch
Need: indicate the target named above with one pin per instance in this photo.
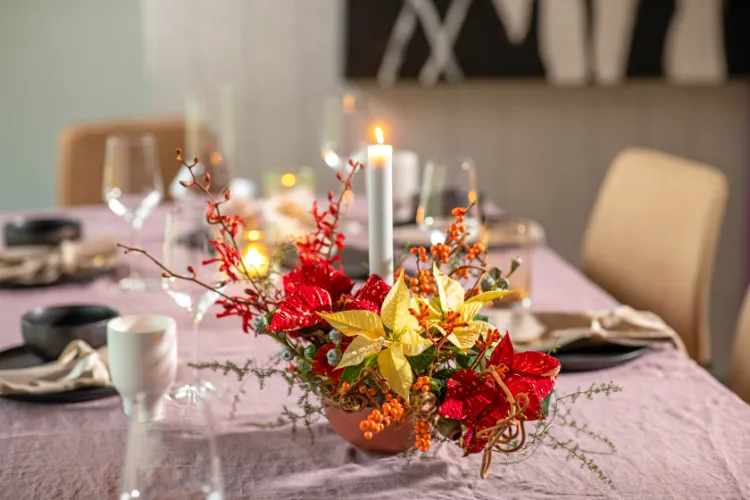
(368, 435)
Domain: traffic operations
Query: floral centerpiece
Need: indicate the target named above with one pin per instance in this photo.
(417, 355)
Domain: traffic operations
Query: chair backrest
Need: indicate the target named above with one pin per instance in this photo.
(651, 239)
(81, 159)
(739, 381)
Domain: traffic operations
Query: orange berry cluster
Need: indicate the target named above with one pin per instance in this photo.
(457, 228)
(475, 250)
(392, 411)
(424, 283)
(441, 252)
(422, 384)
(369, 392)
(423, 431)
(343, 388)
(420, 253)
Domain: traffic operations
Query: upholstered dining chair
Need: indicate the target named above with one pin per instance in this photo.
(81, 158)
(651, 239)
(739, 380)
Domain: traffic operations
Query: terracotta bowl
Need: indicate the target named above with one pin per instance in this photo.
(390, 441)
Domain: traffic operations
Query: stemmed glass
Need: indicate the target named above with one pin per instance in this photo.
(132, 187)
(446, 185)
(187, 245)
(175, 456)
(344, 130)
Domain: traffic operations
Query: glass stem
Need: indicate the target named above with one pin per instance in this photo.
(196, 342)
(135, 242)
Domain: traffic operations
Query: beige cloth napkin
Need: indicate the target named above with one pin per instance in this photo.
(40, 265)
(623, 325)
(78, 366)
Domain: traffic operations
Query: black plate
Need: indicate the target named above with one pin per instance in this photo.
(21, 357)
(50, 231)
(584, 359)
(81, 277)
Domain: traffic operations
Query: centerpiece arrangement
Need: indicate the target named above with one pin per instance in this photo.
(404, 359)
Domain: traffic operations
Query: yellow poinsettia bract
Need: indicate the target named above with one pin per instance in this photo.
(392, 348)
(451, 295)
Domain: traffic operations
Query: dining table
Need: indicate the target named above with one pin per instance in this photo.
(678, 432)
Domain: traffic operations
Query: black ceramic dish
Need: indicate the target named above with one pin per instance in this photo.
(600, 357)
(82, 276)
(48, 330)
(21, 357)
(41, 231)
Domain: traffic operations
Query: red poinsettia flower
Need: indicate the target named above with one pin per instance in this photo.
(479, 403)
(369, 297)
(319, 274)
(466, 396)
(531, 373)
(488, 418)
(300, 309)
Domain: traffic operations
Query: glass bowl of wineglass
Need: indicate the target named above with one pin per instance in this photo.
(344, 130)
(445, 186)
(187, 248)
(132, 188)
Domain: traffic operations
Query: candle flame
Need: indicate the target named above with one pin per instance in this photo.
(288, 180)
(379, 135)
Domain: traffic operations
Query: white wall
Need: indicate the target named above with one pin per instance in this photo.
(541, 151)
(61, 62)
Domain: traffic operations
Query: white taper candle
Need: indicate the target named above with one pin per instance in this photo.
(380, 201)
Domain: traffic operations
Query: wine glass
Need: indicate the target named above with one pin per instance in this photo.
(175, 456)
(445, 186)
(132, 187)
(344, 130)
(187, 245)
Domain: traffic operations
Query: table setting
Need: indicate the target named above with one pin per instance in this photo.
(221, 352)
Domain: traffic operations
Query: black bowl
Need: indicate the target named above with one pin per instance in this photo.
(48, 330)
(41, 231)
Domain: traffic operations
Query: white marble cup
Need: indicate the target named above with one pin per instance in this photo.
(142, 360)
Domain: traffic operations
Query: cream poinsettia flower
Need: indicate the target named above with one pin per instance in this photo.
(392, 335)
(452, 309)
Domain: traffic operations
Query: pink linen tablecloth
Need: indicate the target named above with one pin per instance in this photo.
(679, 433)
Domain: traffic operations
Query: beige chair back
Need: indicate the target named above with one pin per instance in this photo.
(740, 378)
(81, 160)
(651, 239)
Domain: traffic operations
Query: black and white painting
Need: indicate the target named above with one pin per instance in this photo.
(568, 42)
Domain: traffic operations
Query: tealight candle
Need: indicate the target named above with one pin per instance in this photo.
(255, 257)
